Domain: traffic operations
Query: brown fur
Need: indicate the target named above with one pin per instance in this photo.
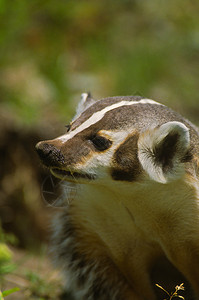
(133, 220)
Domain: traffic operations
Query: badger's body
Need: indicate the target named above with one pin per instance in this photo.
(132, 218)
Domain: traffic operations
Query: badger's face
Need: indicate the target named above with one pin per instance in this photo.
(119, 139)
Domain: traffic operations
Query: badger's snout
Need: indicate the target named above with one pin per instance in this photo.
(50, 155)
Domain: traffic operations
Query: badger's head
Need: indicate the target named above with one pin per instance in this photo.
(119, 139)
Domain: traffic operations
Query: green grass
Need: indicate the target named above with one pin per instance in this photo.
(8, 292)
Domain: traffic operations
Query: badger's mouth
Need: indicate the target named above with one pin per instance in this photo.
(70, 175)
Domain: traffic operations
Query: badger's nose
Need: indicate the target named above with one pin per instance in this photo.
(50, 155)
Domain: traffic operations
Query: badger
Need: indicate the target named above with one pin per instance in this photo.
(132, 218)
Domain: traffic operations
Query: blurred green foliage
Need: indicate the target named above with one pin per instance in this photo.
(51, 51)
(6, 264)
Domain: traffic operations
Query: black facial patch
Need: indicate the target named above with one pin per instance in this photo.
(126, 166)
(100, 143)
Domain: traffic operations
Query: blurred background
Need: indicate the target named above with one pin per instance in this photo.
(51, 52)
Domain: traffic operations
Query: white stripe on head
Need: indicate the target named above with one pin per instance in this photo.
(97, 116)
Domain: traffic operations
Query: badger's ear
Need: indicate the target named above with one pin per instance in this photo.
(163, 150)
(85, 102)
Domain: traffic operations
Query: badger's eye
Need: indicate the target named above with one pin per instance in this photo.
(101, 143)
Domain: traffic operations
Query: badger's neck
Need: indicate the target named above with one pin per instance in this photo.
(116, 214)
(102, 214)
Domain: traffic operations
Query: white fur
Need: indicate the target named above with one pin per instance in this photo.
(83, 104)
(97, 116)
(153, 137)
